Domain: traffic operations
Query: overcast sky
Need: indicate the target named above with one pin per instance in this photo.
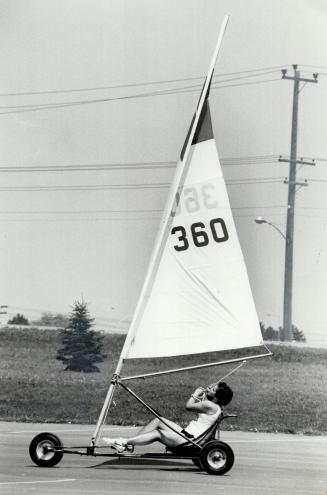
(57, 243)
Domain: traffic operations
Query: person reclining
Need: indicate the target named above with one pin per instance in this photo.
(207, 403)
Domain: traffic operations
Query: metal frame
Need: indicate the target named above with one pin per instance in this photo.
(89, 451)
(117, 380)
(199, 366)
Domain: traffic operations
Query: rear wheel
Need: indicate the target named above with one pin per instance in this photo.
(46, 450)
(216, 457)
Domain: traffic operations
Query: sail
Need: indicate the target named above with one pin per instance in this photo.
(198, 297)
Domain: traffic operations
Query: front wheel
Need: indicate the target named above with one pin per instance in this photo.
(216, 457)
(46, 450)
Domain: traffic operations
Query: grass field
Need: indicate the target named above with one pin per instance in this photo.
(283, 393)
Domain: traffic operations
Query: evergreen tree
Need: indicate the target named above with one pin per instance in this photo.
(18, 320)
(81, 347)
(298, 335)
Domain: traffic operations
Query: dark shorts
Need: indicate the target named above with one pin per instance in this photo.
(187, 434)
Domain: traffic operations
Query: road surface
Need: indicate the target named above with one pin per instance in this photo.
(264, 464)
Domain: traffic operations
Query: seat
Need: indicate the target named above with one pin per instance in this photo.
(212, 433)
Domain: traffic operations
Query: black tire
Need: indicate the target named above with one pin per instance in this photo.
(39, 452)
(216, 457)
(197, 463)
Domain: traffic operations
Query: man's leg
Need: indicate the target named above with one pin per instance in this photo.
(165, 436)
(157, 424)
(149, 427)
(156, 430)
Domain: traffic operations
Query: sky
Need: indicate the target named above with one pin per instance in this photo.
(134, 69)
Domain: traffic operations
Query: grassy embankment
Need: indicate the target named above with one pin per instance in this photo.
(285, 393)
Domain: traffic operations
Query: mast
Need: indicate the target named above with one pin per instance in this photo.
(162, 233)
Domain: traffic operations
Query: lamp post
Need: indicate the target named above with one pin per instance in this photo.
(261, 220)
(287, 294)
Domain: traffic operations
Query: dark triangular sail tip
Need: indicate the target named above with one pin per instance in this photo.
(203, 130)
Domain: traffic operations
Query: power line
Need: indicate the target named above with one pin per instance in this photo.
(228, 161)
(47, 106)
(65, 220)
(133, 85)
(77, 212)
(313, 66)
(127, 219)
(214, 87)
(136, 186)
(86, 187)
(197, 86)
(88, 167)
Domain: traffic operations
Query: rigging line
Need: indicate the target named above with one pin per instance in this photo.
(143, 95)
(231, 372)
(119, 86)
(50, 104)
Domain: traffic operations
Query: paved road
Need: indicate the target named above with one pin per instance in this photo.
(265, 464)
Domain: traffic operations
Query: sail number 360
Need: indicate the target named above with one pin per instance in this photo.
(199, 234)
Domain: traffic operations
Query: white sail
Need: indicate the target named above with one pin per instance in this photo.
(198, 298)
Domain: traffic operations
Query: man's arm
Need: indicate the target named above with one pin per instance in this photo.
(198, 402)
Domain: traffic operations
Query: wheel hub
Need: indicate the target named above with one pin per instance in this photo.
(44, 450)
(216, 459)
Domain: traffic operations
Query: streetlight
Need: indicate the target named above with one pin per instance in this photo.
(261, 220)
(287, 316)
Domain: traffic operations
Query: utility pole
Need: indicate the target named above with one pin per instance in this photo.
(288, 274)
